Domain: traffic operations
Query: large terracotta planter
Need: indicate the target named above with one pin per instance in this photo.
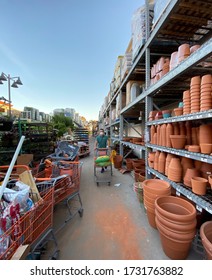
(206, 237)
(175, 209)
(174, 249)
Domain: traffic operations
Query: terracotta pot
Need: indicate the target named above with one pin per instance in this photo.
(178, 111)
(190, 173)
(194, 48)
(157, 153)
(195, 80)
(210, 180)
(176, 128)
(141, 177)
(206, 237)
(169, 131)
(173, 60)
(129, 164)
(176, 235)
(163, 135)
(175, 250)
(199, 185)
(155, 139)
(162, 162)
(151, 156)
(206, 148)
(151, 218)
(158, 134)
(186, 164)
(206, 170)
(205, 135)
(152, 132)
(175, 170)
(206, 79)
(156, 186)
(176, 209)
(178, 141)
(194, 148)
(182, 227)
(159, 115)
(168, 159)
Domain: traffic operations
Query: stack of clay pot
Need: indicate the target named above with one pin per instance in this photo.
(152, 115)
(206, 93)
(176, 222)
(206, 237)
(186, 102)
(152, 132)
(157, 153)
(173, 60)
(205, 138)
(162, 162)
(151, 159)
(186, 164)
(129, 164)
(189, 174)
(195, 94)
(175, 170)
(159, 69)
(152, 189)
(168, 159)
(194, 48)
(183, 52)
(138, 167)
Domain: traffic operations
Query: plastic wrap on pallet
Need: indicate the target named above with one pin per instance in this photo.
(126, 64)
(159, 8)
(138, 27)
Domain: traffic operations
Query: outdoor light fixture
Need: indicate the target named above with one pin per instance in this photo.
(16, 82)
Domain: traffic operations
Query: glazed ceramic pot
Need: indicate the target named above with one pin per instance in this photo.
(178, 141)
(199, 185)
(190, 173)
(206, 237)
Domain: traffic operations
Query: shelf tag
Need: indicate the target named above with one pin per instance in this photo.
(204, 159)
(199, 208)
(177, 193)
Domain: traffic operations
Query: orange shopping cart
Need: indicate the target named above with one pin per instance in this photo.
(33, 228)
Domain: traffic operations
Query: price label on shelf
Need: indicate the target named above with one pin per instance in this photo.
(204, 159)
(177, 193)
(199, 208)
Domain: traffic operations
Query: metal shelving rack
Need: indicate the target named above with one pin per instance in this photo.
(182, 21)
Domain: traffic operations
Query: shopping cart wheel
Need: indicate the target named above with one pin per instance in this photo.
(81, 212)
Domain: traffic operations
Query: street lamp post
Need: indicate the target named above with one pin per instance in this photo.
(16, 82)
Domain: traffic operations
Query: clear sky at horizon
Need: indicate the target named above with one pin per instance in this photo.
(64, 51)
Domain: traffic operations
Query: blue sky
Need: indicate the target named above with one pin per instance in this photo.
(64, 51)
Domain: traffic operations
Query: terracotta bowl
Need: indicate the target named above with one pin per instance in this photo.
(206, 148)
(194, 48)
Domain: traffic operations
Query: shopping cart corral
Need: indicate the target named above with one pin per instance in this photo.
(103, 169)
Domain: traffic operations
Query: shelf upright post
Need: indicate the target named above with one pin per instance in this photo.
(121, 126)
(148, 99)
(111, 129)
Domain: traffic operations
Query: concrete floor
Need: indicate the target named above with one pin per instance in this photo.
(114, 225)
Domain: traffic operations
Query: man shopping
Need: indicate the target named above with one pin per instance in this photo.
(101, 142)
